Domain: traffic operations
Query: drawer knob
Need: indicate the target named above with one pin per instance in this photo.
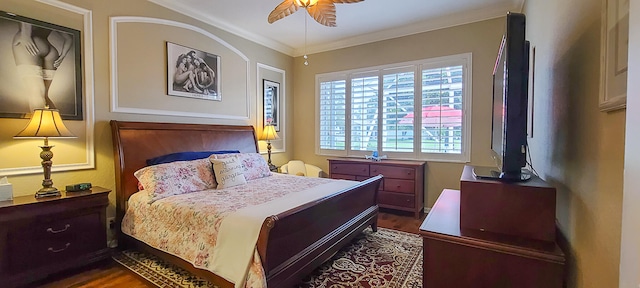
(59, 250)
(50, 230)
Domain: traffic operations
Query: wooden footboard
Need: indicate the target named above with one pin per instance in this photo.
(291, 244)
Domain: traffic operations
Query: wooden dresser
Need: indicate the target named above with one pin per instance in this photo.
(39, 237)
(459, 257)
(402, 187)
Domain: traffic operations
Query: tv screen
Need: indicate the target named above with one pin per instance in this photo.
(497, 115)
(510, 100)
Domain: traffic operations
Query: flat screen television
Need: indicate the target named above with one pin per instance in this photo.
(510, 101)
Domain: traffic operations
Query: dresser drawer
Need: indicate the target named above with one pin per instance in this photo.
(52, 242)
(393, 172)
(350, 169)
(349, 177)
(402, 187)
(399, 185)
(396, 199)
(343, 176)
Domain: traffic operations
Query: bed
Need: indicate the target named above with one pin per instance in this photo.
(290, 244)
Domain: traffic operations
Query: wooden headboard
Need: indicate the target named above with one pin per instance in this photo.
(135, 142)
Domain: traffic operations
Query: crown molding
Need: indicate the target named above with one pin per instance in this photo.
(478, 15)
(486, 13)
(223, 25)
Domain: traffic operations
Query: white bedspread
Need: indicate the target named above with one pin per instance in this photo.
(239, 231)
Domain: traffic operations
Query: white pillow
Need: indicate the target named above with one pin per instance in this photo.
(253, 164)
(228, 171)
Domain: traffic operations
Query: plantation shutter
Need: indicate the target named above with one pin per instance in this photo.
(412, 110)
(397, 111)
(364, 113)
(442, 95)
(332, 114)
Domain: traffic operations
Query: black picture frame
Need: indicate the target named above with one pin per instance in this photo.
(205, 80)
(271, 103)
(21, 70)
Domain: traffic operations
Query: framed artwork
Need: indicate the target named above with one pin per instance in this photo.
(614, 58)
(271, 103)
(39, 66)
(192, 73)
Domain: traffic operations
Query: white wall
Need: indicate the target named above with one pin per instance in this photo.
(630, 246)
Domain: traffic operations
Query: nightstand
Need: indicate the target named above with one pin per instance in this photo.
(39, 237)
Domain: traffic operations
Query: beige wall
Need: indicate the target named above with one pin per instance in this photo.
(482, 39)
(575, 147)
(152, 89)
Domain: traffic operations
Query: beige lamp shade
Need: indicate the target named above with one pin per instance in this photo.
(45, 123)
(269, 133)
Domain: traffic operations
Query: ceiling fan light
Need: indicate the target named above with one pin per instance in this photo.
(305, 3)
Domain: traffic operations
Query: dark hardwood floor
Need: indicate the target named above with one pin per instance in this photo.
(110, 274)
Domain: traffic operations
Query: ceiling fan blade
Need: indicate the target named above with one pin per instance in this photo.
(284, 9)
(324, 12)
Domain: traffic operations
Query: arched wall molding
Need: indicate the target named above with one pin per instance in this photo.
(115, 106)
(87, 58)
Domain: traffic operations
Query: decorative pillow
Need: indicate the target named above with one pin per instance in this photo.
(228, 172)
(175, 178)
(253, 164)
(186, 156)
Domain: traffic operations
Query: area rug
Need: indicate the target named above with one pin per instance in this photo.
(386, 258)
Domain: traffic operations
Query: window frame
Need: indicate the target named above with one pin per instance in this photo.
(464, 60)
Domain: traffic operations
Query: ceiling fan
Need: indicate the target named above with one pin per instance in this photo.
(323, 11)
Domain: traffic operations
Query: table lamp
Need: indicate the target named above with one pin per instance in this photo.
(45, 123)
(268, 134)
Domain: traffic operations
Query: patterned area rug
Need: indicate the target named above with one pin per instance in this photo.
(386, 258)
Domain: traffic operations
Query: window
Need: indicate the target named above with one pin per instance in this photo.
(333, 115)
(374, 109)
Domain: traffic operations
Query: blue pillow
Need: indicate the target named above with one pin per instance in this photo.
(186, 156)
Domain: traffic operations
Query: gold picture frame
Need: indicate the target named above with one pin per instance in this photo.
(614, 55)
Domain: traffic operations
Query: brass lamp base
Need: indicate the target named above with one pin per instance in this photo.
(47, 189)
(48, 192)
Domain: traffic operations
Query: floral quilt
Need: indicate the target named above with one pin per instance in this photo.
(187, 225)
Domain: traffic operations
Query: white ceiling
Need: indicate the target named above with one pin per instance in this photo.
(357, 23)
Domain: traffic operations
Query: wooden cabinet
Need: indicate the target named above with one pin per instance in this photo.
(521, 209)
(402, 187)
(460, 257)
(39, 237)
